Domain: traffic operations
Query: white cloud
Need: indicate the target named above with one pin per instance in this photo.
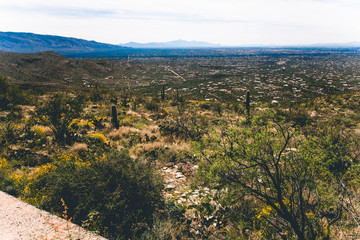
(220, 21)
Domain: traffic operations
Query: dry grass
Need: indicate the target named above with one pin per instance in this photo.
(338, 232)
(122, 132)
(42, 130)
(133, 114)
(147, 147)
(153, 128)
(150, 131)
(79, 147)
(357, 131)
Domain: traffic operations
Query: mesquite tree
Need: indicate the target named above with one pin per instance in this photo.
(284, 172)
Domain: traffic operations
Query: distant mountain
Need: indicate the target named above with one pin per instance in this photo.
(172, 44)
(54, 71)
(336, 45)
(305, 46)
(32, 43)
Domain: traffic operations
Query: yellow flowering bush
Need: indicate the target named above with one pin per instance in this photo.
(17, 178)
(40, 130)
(5, 180)
(4, 165)
(74, 121)
(81, 123)
(101, 159)
(72, 159)
(99, 137)
(36, 190)
(85, 123)
(11, 181)
(34, 193)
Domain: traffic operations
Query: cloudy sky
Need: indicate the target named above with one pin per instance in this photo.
(228, 22)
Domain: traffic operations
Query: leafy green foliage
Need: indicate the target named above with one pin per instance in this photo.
(186, 125)
(10, 95)
(153, 105)
(4, 85)
(298, 185)
(122, 191)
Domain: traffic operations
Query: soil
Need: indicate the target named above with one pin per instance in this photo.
(22, 221)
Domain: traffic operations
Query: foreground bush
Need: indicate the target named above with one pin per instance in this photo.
(301, 185)
(113, 193)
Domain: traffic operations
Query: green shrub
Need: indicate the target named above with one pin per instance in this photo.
(188, 126)
(6, 183)
(299, 183)
(11, 95)
(152, 105)
(122, 191)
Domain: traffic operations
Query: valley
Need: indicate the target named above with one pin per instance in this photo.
(186, 144)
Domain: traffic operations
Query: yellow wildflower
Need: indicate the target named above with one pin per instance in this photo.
(265, 211)
(3, 164)
(74, 121)
(99, 136)
(311, 214)
(38, 129)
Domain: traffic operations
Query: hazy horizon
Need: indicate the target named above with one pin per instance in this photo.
(226, 22)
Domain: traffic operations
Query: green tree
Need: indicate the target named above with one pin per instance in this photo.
(283, 171)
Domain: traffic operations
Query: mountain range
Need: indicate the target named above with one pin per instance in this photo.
(31, 43)
(79, 48)
(172, 44)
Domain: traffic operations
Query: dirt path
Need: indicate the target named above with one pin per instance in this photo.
(21, 221)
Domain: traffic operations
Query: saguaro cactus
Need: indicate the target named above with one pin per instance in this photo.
(114, 119)
(163, 92)
(247, 104)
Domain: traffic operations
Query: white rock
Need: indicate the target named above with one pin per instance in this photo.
(170, 186)
(179, 175)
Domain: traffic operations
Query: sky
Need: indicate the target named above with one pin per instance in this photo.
(226, 22)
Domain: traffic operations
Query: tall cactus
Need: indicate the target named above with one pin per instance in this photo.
(247, 104)
(114, 119)
(163, 92)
